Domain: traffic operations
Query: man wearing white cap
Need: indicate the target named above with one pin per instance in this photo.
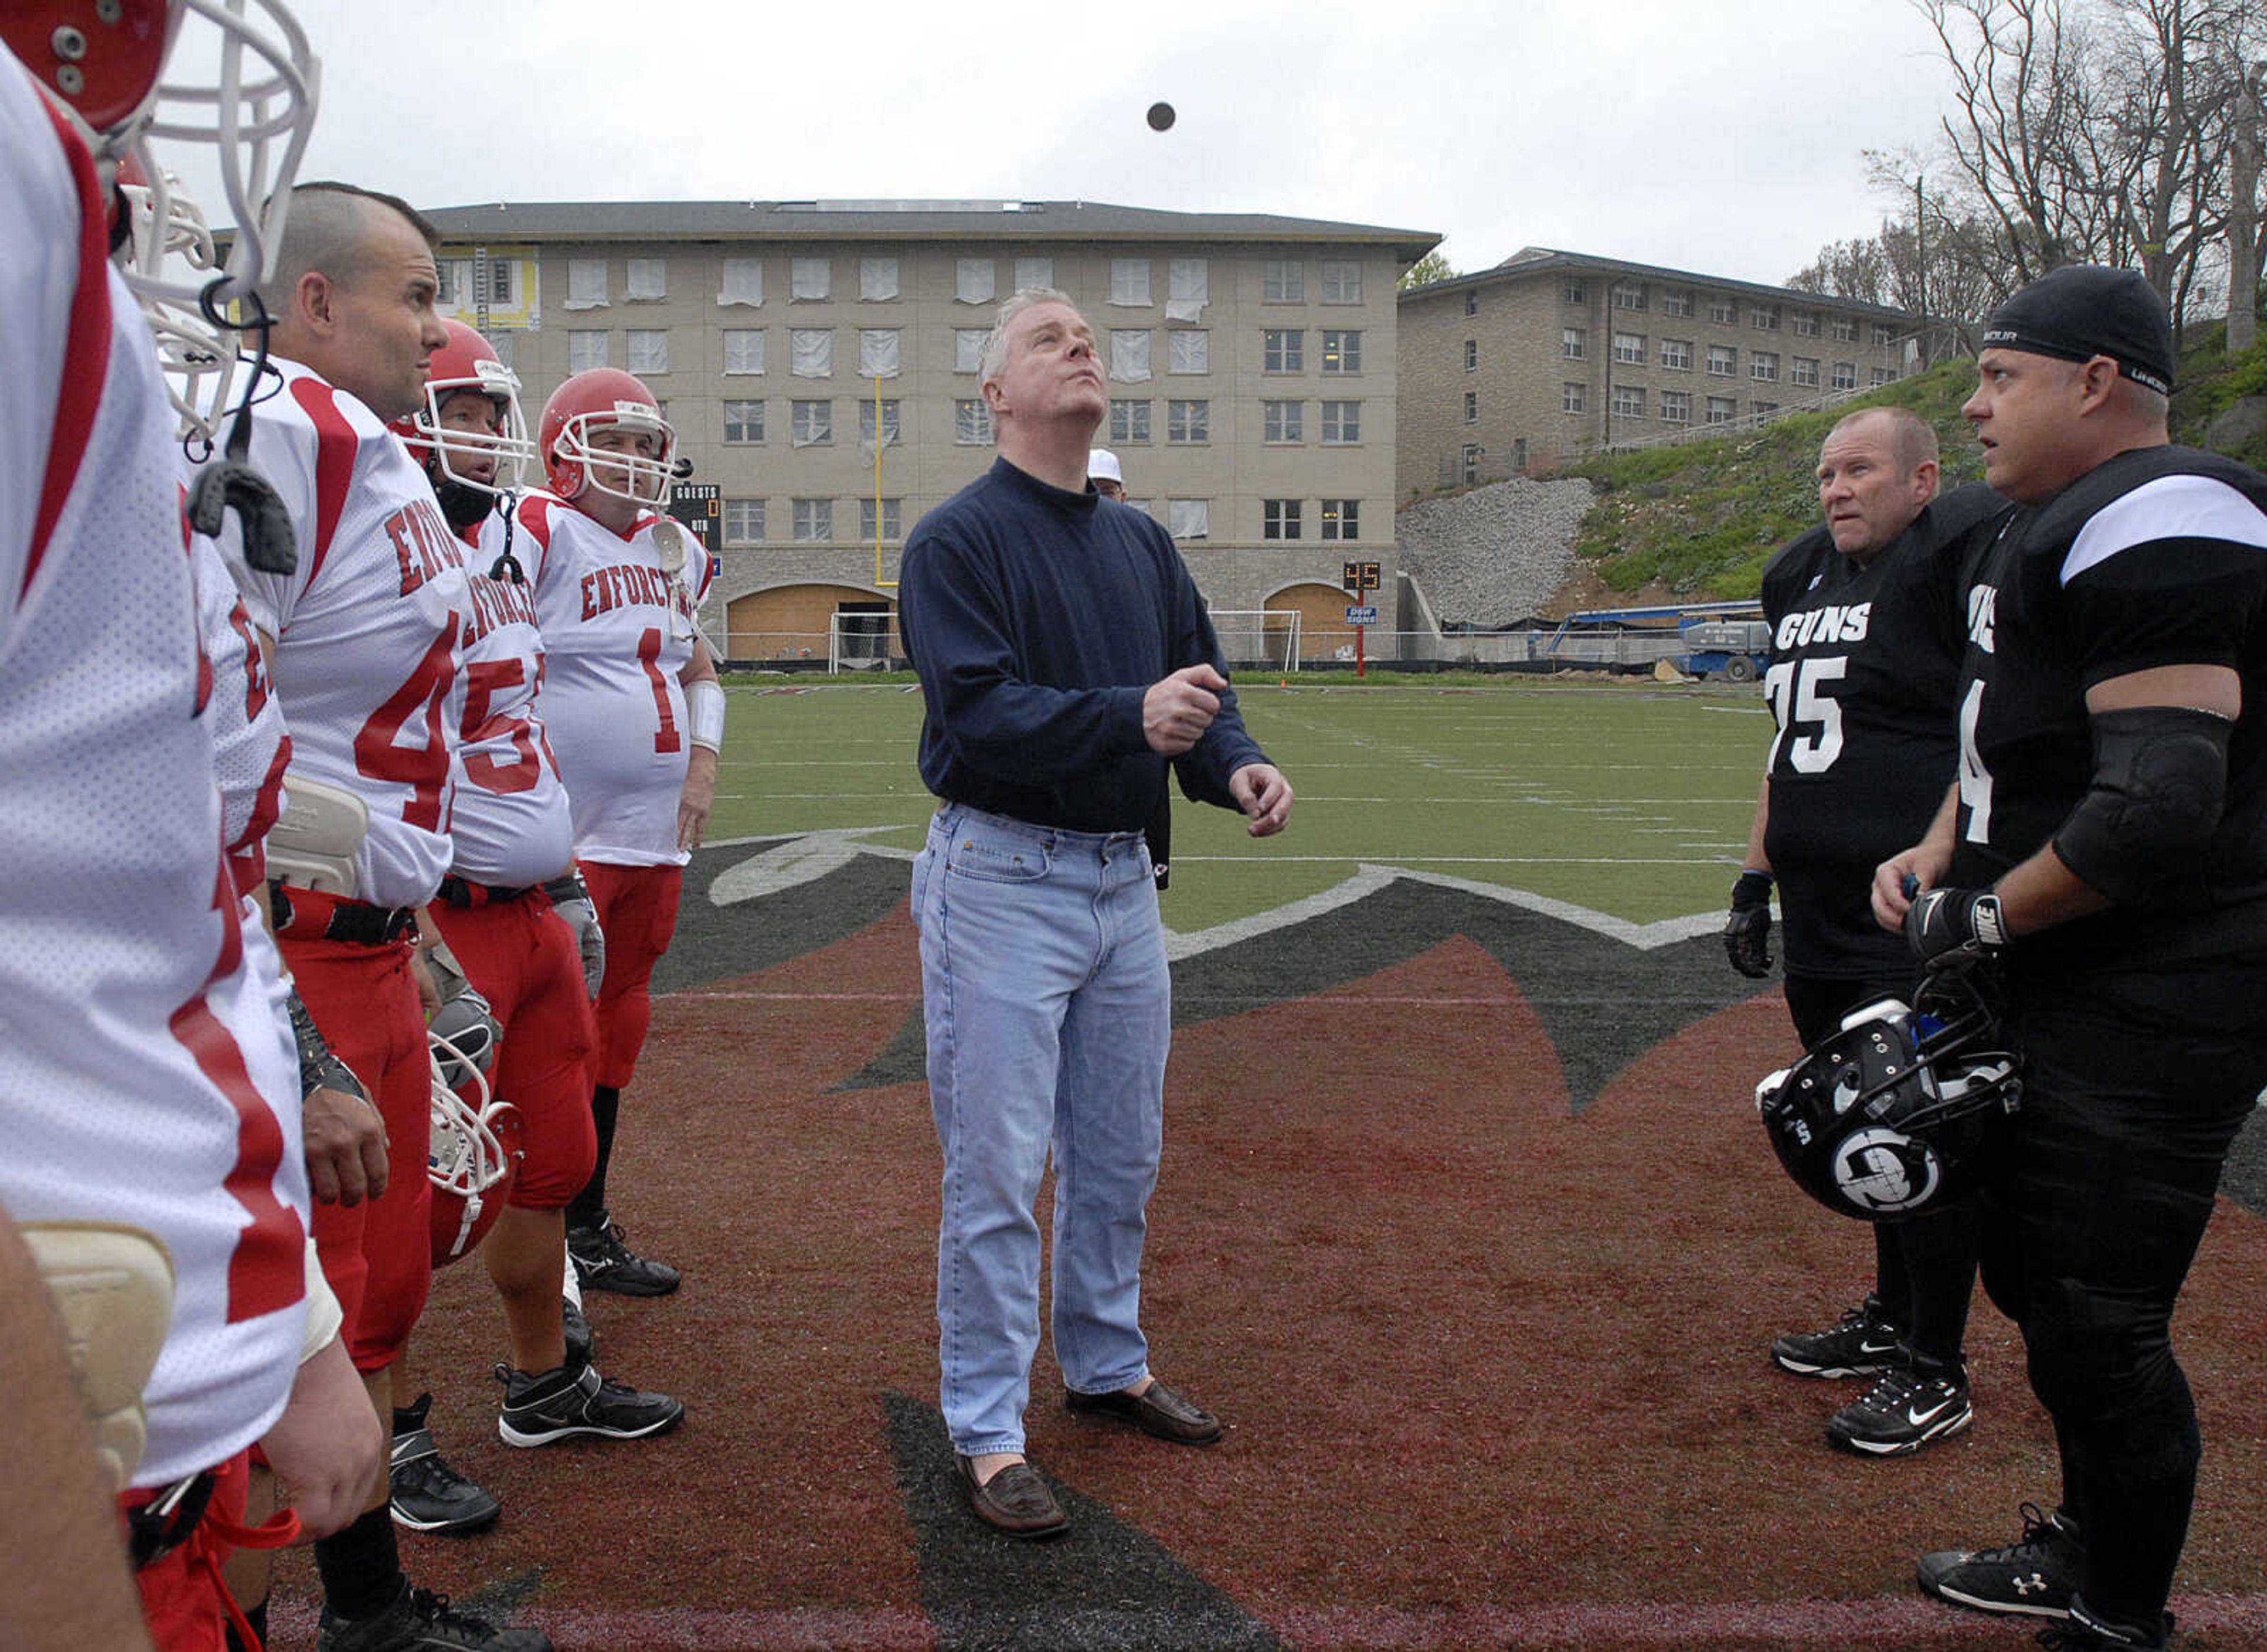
(1102, 470)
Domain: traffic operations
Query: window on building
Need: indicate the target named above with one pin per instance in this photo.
(888, 426)
(1629, 346)
(586, 283)
(810, 423)
(971, 421)
(1519, 454)
(1341, 423)
(1471, 356)
(1471, 406)
(1676, 406)
(1763, 409)
(974, 280)
(1722, 409)
(811, 352)
(1282, 349)
(1723, 361)
(1575, 292)
(744, 349)
(1676, 353)
(1283, 281)
(1282, 421)
(1188, 350)
(1571, 343)
(968, 349)
(884, 524)
(1472, 301)
(1341, 518)
(744, 423)
(1189, 518)
(1572, 397)
(1033, 273)
(1188, 421)
(744, 521)
(1129, 280)
(814, 521)
(648, 350)
(1846, 375)
(1278, 518)
(878, 352)
(456, 285)
(1845, 330)
(586, 350)
(1341, 281)
(1723, 311)
(1802, 369)
(1804, 324)
(1764, 317)
(1129, 354)
(1129, 420)
(742, 283)
(1884, 336)
(1629, 295)
(877, 280)
(1763, 366)
(1882, 376)
(1188, 286)
(1342, 349)
(1629, 401)
(808, 280)
(1470, 470)
(1676, 303)
(648, 280)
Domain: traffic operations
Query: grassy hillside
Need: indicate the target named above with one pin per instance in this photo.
(1700, 520)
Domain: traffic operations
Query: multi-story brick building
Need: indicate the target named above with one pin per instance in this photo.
(820, 362)
(1551, 354)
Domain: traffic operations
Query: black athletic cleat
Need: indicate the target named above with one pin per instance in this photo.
(429, 1495)
(420, 1620)
(1903, 1411)
(576, 1400)
(580, 1344)
(2036, 1578)
(2086, 1632)
(1865, 1344)
(604, 1262)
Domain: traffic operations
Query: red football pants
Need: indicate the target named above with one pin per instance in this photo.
(637, 908)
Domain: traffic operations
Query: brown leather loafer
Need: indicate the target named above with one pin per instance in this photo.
(1015, 1501)
(1156, 1410)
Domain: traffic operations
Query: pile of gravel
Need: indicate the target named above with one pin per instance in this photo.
(1496, 553)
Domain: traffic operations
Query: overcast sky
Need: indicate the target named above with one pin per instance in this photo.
(1705, 134)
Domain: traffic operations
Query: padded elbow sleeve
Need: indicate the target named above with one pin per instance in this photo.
(2160, 780)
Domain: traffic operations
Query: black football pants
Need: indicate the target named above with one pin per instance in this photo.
(1924, 1266)
(2101, 1189)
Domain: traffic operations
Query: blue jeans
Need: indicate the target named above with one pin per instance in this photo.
(1049, 1012)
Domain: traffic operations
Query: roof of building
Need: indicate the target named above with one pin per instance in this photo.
(991, 219)
(1543, 261)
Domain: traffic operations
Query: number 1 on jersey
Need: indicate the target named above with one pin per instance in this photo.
(666, 739)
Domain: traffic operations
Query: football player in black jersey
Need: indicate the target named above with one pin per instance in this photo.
(1867, 634)
(2106, 835)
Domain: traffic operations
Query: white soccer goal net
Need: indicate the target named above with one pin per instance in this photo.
(859, 643)
(1258, 639)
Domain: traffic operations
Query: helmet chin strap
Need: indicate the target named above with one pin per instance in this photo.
(230, 483)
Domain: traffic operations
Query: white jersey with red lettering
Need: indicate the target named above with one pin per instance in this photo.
(366, 629)
(617, 621)
(511, 826)
(143, 1078)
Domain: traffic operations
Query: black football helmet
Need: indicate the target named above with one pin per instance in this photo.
(1888, 1117)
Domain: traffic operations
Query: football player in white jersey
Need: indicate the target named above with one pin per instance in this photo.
(168, 1117)
(514, 856)
(363, 641)
(636, 716)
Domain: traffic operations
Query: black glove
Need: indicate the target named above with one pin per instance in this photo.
(1747, 932)
(1944, 926)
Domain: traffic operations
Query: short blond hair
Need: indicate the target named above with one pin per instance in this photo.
(993, 361)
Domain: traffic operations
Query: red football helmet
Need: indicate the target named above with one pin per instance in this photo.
(469, 362)
(101, 61)
(604, 398)
(474, 1152)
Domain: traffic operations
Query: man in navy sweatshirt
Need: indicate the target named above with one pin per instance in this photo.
(1066, 661)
